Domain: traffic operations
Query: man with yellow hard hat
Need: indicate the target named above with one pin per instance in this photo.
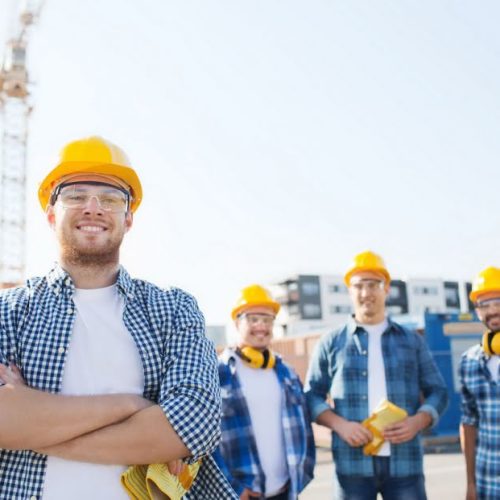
(267, 448)
(373, 367)
(480, 379)
(99, 370)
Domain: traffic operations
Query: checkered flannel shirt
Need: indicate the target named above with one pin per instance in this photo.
(340, 368)
(237, 453)
(179, 362)
(481, 409)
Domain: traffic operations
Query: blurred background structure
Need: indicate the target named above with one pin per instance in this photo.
(15, 108)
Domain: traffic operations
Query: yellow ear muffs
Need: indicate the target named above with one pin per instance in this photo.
(491, 343)
(255, 358)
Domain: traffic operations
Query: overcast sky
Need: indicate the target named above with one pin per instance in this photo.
(278, 137)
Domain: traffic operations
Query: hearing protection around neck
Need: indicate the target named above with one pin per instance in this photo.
(491, 343)
(256, 359)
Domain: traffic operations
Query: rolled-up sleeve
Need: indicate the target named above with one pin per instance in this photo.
(431, 383)
(190, 392)
(470, 414)
(318, 381)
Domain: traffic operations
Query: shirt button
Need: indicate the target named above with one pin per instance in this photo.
(364, 396)
(364, 374)
(364, 353)
(61, 350)
(67, 281)
(33, 497)
(69, 310)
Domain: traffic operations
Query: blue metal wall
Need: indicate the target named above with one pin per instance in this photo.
(443, 350)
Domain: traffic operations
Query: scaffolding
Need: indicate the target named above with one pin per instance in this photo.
(14, 114)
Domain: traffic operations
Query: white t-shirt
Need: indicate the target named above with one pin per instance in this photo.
(102, 358)
(377, 386)
(493, 365)
(262, 392)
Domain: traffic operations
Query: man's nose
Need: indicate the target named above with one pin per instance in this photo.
(93, 205)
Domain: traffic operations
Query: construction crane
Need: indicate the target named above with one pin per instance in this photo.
(15, 109)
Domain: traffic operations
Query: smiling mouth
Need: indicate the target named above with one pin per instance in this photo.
(493, 319)
(91, 229)
(260, 335)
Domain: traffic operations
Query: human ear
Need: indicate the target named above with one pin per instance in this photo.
(51, 216)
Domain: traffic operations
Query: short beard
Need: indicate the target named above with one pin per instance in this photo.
(91, 259)
(487, 322)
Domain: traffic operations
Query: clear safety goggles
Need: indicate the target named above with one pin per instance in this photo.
(368, 285)
(254, 319)
(485, 305)
(78, 194)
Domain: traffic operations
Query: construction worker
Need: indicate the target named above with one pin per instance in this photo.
(480, 382)
(100, 370)
(369, 360)
(267, 447)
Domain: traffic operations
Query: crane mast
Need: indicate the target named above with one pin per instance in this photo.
(14, 113)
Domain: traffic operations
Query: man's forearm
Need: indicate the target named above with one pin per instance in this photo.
(31, 419)
(468, 439)
(144, 438)
(329, 419)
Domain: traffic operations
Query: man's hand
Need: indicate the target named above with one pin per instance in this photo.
(11, 375)
(471, 493)
(353, 433)
(247, 494)
(407, 429)
(176, 467)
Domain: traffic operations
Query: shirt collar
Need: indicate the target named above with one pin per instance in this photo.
(58, 280)
(352, 326)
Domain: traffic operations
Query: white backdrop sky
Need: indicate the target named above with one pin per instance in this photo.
(278, 137)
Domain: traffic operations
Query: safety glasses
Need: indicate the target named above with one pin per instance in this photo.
(254, 319)
(78, 194)
(367, 285)
(485, 305)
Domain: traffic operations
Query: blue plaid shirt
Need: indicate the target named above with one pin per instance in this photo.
(481, 409)
(179, 362)
(237, 454)
(340, 367)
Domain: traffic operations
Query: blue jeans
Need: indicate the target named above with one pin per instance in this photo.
(391, 488)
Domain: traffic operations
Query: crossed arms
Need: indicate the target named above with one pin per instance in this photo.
(106, 429)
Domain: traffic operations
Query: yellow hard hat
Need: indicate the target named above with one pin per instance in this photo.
(488, 280)
(254, 295)
(92, 155)
(367, 261)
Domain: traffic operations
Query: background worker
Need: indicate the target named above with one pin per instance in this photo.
(117, 370)
(369, 359)
(480, 379)
(267, 448)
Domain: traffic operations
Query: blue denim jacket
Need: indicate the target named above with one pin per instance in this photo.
(340, 368)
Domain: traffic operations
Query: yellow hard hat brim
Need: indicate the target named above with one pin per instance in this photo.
(383, 273)
(127, 174)
(475, 295)
(275, 306)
